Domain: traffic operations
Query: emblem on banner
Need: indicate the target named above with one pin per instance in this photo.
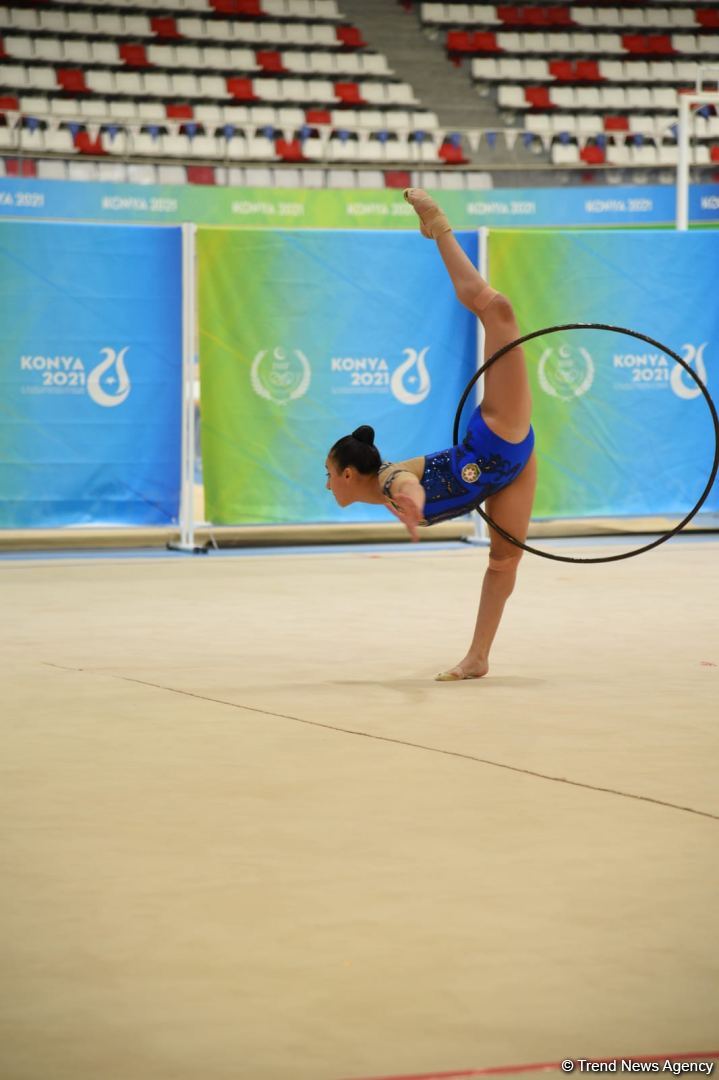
(680, 383)
(108, 384)
(410, 381)
(471, 472)
(281, 375)
(565, 372)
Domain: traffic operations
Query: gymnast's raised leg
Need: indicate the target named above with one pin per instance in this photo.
(506, 409)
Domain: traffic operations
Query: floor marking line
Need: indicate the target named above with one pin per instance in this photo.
(545, 1066)
(401, 742)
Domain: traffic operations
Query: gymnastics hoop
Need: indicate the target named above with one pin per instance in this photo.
(620, 330)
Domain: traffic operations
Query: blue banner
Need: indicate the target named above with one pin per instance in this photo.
(350, 209)
(304, 336)
(90, 374)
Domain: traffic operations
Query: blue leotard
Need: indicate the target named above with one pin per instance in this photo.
(457, 480)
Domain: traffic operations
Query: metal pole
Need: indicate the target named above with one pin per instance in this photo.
(187, 469)
(685, 103)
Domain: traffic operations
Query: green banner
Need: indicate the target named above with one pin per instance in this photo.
(303, 337)
(621, 429)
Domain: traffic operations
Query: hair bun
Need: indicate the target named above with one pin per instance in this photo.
(364, 434)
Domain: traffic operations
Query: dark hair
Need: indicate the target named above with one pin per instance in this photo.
(358, 451)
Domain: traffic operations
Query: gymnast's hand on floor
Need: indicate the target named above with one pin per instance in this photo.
(409, 507)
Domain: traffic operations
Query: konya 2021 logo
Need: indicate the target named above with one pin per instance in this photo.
(410, 382)
(566, 371)
(281, 375)
(682, 385)
(107, 383)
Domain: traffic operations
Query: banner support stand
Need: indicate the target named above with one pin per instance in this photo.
(186, 542)
(687, 104)
(481, 533)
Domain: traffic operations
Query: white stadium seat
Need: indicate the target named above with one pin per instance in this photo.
(41, 78)
(52, 170)
(142, 174)
(143, 143)
(24, 19)
(116, 144)
(54, 22)
(32, 141)
(110, 25)
(565, 154)
(20, 47)
(59, 141)
(203, 146)
(78, 52)
(150, 112)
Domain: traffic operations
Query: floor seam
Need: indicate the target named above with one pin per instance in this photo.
(407, 743)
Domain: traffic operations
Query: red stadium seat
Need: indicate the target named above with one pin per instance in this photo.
(661, 44)
(350, 37)
(72, 80)
(179, 112)
(535, 16)
(348, 92)
(708, 17)
(477, 41)
(459, 41)
(164, 26)
(538, 97)
(510, 15)
(134, 55)
(87, 145)
(484, 41)
(397, 178)
(289, 149)
(269, 60)
(648, 44)
(587, 71)
(559, 16)
(241, 88)
(20, 167)
(201, 174)
(452, 155)
(634, 43)
(563, 70)
(592, 155)
(318, 116)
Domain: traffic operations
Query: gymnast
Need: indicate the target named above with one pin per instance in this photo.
(494, 462)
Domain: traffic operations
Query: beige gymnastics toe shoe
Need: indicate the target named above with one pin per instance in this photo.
(432, 220)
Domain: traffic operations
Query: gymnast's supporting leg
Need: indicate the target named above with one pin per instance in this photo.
(511, 508)
(506, 401)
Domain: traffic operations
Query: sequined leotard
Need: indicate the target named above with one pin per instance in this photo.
(457, 480)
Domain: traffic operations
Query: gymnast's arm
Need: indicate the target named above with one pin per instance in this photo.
(406, 497)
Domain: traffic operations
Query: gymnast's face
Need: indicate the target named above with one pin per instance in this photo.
(342, 483)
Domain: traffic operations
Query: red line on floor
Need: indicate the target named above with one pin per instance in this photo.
(546, 1066)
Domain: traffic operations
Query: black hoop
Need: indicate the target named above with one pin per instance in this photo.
(620, 330)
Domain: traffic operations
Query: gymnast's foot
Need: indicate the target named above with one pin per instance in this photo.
(432, 220)
(465, 669)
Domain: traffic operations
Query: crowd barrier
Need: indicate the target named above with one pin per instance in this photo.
(302, 335)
